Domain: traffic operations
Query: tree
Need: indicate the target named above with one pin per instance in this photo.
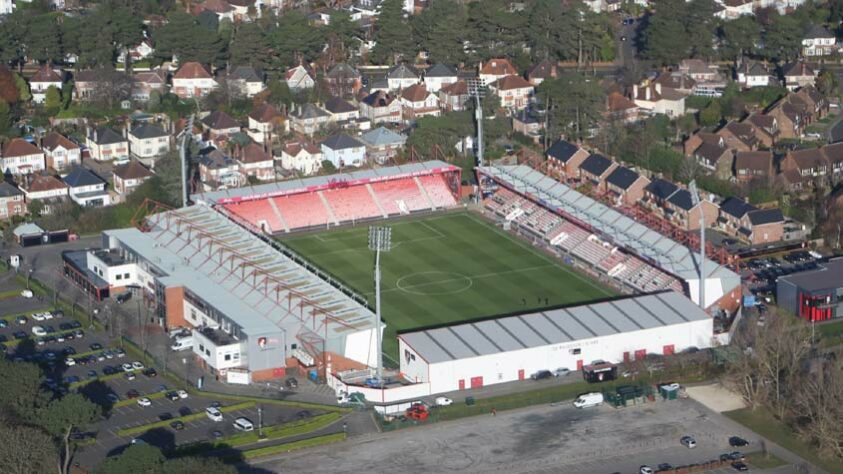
(279, 93)
(21, 393)
(23, 88)
(64, 414)
(111, 88)
(53, 99)
(294, 40)
(819, 403)
(136, 459)
(439, 30)
(493, 30)
(392, 43)
(25, 449)
(665, 39)
(183, 37)
(42, 40)
(739, 37)
(827, 84)
(196, 465)
(249, 46)
(8, 89)
(35, 207)
(5, 117)
(342, 34)
(711, 114)
(575, 102)
(782, 38)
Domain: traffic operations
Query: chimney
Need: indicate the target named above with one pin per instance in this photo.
(126, 130)
(96, 133)
(647, 93)
(635, 91)
(658, 88)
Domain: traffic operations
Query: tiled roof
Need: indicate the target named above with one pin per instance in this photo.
(46, 74)
(511, 82)
(264, 113)
(498, 67)
(441, 70)
(765, 216)
(294, 148)
(458, 88)
(254, 153)
(661, 189)
(753, 160)
(562, 150)
(415, 93)
(736, 207)
(245, 73)
(132, 170)
(682, 199)
(19, 147)
(542, 70)
(378, 99)
(309, 111)
(402, 71)
(54, 140)
(7, 190)
(218, 120)
(106, 136)
(335, 105)
(808, 158)
(45, 183)
(383, 136)
(148, 130)
(342, 71)
(596, 164)
(193, 70)
(710, 152)
(342, 142)
(622, 177)
(817, 31)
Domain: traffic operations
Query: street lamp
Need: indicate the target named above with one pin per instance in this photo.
(260, 422)
(380, 240)
(28, 276)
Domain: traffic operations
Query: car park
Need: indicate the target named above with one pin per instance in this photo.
(688, 441)
(737, 442)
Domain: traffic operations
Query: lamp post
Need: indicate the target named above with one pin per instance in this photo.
(380, 240)
(28, 276)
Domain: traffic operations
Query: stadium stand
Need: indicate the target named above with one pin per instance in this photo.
(438, 192)
(401, 196)
(261, 214)
(352, 203)
(299, 210)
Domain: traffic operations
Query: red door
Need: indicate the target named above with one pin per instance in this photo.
(640, 354)
(520, 374)
(626, 357)
(668, 350)
(579, 364)
(462, 384)
(476, 382)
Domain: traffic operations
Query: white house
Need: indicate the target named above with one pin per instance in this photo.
(733, 9)
(439, 76)
(219, 171)
(655, 99)
(45, 187)
(129, 176)
(246, 81)
(262, 122)
(193, 80)
(148, 141)
(60, 152)
(21, 157)
(753, 74)
(308, 118)
(818, 41)
(514, 91)
(7, 7)
(417, 102)
(401, 77)
(105, 144)
(255, 160)
(299, 78)
(495, 69)
(137, 52)
(342, 150)
(86, 188)
(303, 157)
(380, 107)
(45, 78)
(340, 110)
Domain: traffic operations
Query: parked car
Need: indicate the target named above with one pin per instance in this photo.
(113, 398)
(177, 425)
(214, 413)
(137, 365)
(418, 412)
(292, 383)
(127, 367)
(182, 394)
(150, 372)
(645, 470)
(443, 401)
(132, 394)
(562, 372)
(172, 396)
(165, 416)
(243, 424)
(737, 442)
(95, 346)
(144, 402)
(39, 331)
(542, 374)
(739, 466)
(130, 376)
(27, 294)
(21, 320)
(688, 441)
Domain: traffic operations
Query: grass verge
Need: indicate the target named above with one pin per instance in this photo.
(763, 423)
(9, 294)
(287, 447)
(289, 403)
(101, 378)
(760, 461)
(130, 401)
(193, 416)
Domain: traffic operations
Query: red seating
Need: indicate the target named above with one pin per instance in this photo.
(259, 213)
(302, 210)
(352, 203)
(438, 191)
(406, 190)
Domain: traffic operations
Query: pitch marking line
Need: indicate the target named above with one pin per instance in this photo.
(404, 288)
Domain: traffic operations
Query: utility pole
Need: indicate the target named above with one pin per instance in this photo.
(380, 240)
(477, 89)
(186, 133)
(695, 200)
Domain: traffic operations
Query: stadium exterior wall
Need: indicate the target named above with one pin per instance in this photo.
(510, 366)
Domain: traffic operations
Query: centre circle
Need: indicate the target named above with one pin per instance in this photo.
(434, 283)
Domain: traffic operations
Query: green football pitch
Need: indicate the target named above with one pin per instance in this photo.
(445, 269)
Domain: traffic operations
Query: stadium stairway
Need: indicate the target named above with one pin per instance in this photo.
(278, 214)
(424, 193)
(328, 209)
(375, 198)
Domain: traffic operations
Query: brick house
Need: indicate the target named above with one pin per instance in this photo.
(626, 185)
(739, 136)
(42, 80)
(220, 125)
(743, 220)
(542, 70)
(144, 83)
(494, 69)
(129, 176)
(193, 80)
(513, 91)
(60, 152)
(304, 157)
(255, 160)
(454, 96)
(681, 211)
(262, 122)
(809, 165)
(754, 166)
(715, 157)
(595, 169)
(564, 159)
(308, 119)
(343, 80)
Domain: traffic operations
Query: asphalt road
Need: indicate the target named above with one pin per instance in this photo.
(541, 439)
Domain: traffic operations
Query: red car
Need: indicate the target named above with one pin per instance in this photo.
(418, 412)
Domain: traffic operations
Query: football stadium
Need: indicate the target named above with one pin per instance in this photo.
(529, 274)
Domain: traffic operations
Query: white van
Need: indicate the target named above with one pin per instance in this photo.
(243, 424)
(182, 343)
(586, 400)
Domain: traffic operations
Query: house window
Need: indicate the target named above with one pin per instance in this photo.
(201, 348)
(119, 276)
(228, 357)
(126, 276)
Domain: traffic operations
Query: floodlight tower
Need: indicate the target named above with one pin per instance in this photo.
(695, 199)
(183, 155)
(380, 240)
(477, 89)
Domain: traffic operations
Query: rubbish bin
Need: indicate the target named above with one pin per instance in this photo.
(469, 401)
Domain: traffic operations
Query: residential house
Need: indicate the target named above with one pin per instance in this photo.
(262, 122)
(564, 159)
(790, 117)
(105, 144)
(60, 152)
(342, 80)
(544, 69)
(679, 209)
(732, 213)
(754, 74)
(678, 81)
(715, 157)
(818, 41)
(834, 155)
(739, 136)
(620, 108)
(625, 185)
(655, 99)
(439, 76)
(694, 141)
(817, 105)
(148, 141)
(308, 119)
(799, 74)
(800, 167)
(754, 166)
(255, 160)
(219, 125)
(514, 91)
(417, 102)
(341, 110)
(401, 77)
(43, 79)
(138, 52)
(245, 81)
(699, 70)
(300, 78)
(222, 9)
(46, 188)
(144, 83)
(766, 128)
(342, 150)
(381, 107)
(21, 157)
(86, 188)
(454, 96)
(304, 157)
(528, 124)
(12, 201)
(193, 80)
(733, 9)
(595, 169)
(219, 171)
(743, 220)
(495, 69)
(657, 192)
(241, 9)
(382, 144)
(86, 84)
(129, 176)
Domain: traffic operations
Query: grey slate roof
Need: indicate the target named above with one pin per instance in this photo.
(622, 177)
(80, 176)
(562, 150)
(552, 326)
(7, 190)
(660, 188)
(342, 142)
(596, 164)
(309, 111)
(736, 207)
(817, 31)
(148, 130)
(245, 73)
(828, 275)
(335, 105)
(765, 216)
(383, 136)
(441, 70)
(107, 136)
(402, 71)
(682, 199)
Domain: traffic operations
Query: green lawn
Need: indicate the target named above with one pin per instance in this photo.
(444, 269)
(763, 423)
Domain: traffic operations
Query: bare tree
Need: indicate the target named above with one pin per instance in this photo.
(689, 168)
(112, 86)
(818, 405)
